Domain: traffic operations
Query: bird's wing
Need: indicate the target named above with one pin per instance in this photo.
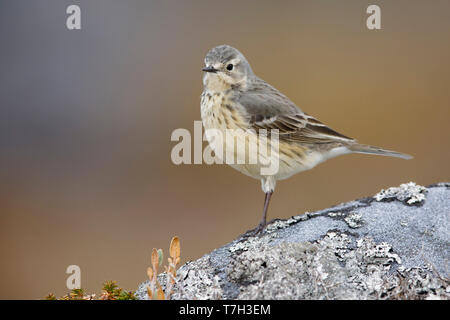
(268, 109)
(299, 128)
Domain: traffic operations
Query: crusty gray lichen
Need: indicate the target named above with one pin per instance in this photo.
(410, 193)
(198, 282)
(365, 249)
(354, 220)
(331, 268)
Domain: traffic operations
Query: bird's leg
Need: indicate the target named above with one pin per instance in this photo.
(262, 224)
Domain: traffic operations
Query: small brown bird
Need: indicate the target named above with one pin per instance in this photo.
(235, 99)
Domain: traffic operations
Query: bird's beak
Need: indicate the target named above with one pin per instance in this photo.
(210, 69)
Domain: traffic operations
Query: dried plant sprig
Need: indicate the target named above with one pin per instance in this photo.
(174, 259)
(154, 289)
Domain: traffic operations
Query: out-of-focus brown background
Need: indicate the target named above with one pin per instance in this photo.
(86, 118)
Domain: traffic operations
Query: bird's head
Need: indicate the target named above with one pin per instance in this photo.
(225, 67)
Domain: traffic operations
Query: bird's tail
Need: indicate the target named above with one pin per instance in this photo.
(363, 148)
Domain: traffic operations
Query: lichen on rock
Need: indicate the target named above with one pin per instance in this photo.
(354, 220)
(410, 192)
(365, 249)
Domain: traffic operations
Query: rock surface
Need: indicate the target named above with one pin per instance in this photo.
(395, 245)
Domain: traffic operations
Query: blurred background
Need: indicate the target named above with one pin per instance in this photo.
(86, 117)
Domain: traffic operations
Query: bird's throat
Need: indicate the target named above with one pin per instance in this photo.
(215, 84)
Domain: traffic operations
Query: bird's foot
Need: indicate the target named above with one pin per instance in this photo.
(258, 231)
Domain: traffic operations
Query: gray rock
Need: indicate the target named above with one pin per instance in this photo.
(394, 245)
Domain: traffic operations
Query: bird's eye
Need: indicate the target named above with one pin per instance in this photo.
(230, 67)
